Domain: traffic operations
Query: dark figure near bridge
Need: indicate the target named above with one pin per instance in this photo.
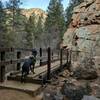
(34, 54)
(28, 65)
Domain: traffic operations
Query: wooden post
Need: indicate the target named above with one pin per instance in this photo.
(49, 64)
(70, 57)
(18, 57)
(2, 67)
(40, 56)
(52, 55)
(67, 56)
(61, 58)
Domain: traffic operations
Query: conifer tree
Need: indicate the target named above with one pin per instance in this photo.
(13, 7)
(2, 17)
(55, 22)
(2, 25)
(16, 23)
(39, 32)
(31, 30)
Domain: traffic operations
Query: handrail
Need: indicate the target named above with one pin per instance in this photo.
(22, 60)
(51, 56)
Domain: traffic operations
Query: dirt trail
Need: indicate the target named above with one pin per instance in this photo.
(15, 95)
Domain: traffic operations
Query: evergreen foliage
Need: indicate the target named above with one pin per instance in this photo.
(13, 7)
(55, 22)
(15, 23)
(2, 25)
(19, 31)
(30, 29)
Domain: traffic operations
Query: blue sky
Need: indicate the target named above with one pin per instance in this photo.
(43, 4)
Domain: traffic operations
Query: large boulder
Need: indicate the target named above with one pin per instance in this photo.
(75, 92)
(85, 24)
(86, 70)
(83, 73)
(52, 94)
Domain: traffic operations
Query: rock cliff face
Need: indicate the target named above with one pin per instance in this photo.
(84, 30)
(36, 11)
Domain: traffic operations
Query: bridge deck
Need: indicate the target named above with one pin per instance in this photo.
(40, 70)
(29, 87)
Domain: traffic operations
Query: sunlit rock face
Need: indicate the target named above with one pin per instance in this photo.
(36, 11)
(86, 26)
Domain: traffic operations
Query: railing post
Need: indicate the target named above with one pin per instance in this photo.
(61, 58)
(49, 64)
(67, 56)
(18, 57)
(40, 56)
(52, 55)
(70, 57)
(2, 67)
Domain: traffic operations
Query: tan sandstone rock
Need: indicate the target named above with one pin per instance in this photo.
(86, 25)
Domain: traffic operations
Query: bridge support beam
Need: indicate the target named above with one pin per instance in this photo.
(52, 55)
(2, 67)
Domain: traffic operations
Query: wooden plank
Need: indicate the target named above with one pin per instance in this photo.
(61, 58)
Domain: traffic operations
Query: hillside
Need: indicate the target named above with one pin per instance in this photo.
(36, 11)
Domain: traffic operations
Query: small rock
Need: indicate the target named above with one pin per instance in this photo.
(90, 98)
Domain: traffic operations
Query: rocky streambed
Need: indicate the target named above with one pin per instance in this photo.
(67, 87)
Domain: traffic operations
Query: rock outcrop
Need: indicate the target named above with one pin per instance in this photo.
(36, 11)
(83, 33)
(85, 70)
(75, 92)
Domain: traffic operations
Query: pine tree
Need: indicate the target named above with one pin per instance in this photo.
(55, 22)
(39, 26)
(13, 7)
(2, 17)
(39, 32)
(16, 23)
(31, 30)
(2, 25)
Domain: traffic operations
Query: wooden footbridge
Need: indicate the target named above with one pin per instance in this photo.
(49, 63)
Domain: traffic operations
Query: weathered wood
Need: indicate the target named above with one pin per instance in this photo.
(18, 57)
(40, 56)
(70, 57)
(61, 55)
(2, 67)
(52, 55)
(5, 49)
(67, 56)
(49, 64)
